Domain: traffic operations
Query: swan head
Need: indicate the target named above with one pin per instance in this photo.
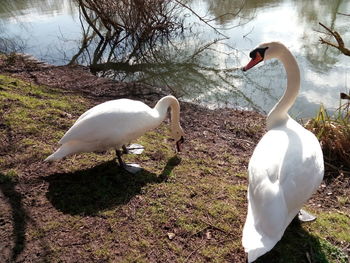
(178, 135)
(264, 52)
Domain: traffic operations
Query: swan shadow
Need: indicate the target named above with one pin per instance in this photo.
(19, 216)
(296, 245)
(104, 186)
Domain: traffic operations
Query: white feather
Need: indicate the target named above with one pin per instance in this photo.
(115, 123)
(285, 169)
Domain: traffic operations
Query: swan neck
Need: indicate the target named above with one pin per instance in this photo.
(279, 112)
(163, 105)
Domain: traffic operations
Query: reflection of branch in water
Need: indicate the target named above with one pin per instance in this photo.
(201, 18)
(12, 45)
(241, 94)
(136, 53)
(246, 35)
(343, 14)
(129, 31)
(205, 47)
(188, 77)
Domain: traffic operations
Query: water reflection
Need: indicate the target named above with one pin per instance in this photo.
(201, 66)
(195, 68)
(295, 23)
(42, 28)
(29, 10)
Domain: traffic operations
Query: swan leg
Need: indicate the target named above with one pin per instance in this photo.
(132, 168)
(304, 216)
(125, 150)
(119, 156)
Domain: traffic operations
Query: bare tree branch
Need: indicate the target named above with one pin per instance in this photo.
(340, 42)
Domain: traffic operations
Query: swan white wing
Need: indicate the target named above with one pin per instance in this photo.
(120, 105)
(267, 209)
(112, 121)
(265, 191)
(285, 169)
(291, 156)
(303, 168)
(263, 227)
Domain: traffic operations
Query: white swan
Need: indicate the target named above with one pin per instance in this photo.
(286, 167)
(115, 123)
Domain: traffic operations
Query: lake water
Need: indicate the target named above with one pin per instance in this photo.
(51, 31)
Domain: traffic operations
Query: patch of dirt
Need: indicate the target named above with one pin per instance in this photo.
(26, 201)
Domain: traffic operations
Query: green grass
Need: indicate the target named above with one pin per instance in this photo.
(199, 199)
(334, 225)
(31, 114)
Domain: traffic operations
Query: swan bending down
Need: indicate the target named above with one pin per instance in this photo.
(115, 123)
(286, 167)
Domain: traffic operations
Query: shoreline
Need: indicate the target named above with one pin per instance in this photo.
(64, 77)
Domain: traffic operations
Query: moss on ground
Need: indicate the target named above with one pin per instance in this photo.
(333, 224)
(34, 117)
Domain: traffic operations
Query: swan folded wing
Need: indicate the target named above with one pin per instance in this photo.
(266, 219)
(267, 210)
(268, 207)
(108, 127)
(268, 156)
(302, 180)
(115, 106)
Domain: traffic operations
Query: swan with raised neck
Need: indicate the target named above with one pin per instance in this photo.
(286, 166)
(279, 113)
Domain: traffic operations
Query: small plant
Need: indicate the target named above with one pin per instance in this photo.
(9, 177)
(10, 59)
(333, 132)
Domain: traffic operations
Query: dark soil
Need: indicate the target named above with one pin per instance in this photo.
(29, 203)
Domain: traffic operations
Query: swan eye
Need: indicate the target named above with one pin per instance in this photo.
(252, 54)
(258, 51)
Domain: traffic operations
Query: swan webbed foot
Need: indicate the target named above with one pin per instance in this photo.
(132, 168)
(133, 149)
(304, 216)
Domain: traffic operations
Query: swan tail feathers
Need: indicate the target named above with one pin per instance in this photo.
(255, 245)
(61, 152)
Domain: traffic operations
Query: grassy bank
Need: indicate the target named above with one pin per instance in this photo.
(188, 207)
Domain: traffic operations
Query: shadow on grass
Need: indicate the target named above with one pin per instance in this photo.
(7, 186)
(95, 189)
(298, 246)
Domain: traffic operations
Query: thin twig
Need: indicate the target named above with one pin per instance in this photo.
(340, 42)
(194, 251)
(216, 227)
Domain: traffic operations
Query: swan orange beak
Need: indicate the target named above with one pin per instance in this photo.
(178, 144)
(253, 62)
